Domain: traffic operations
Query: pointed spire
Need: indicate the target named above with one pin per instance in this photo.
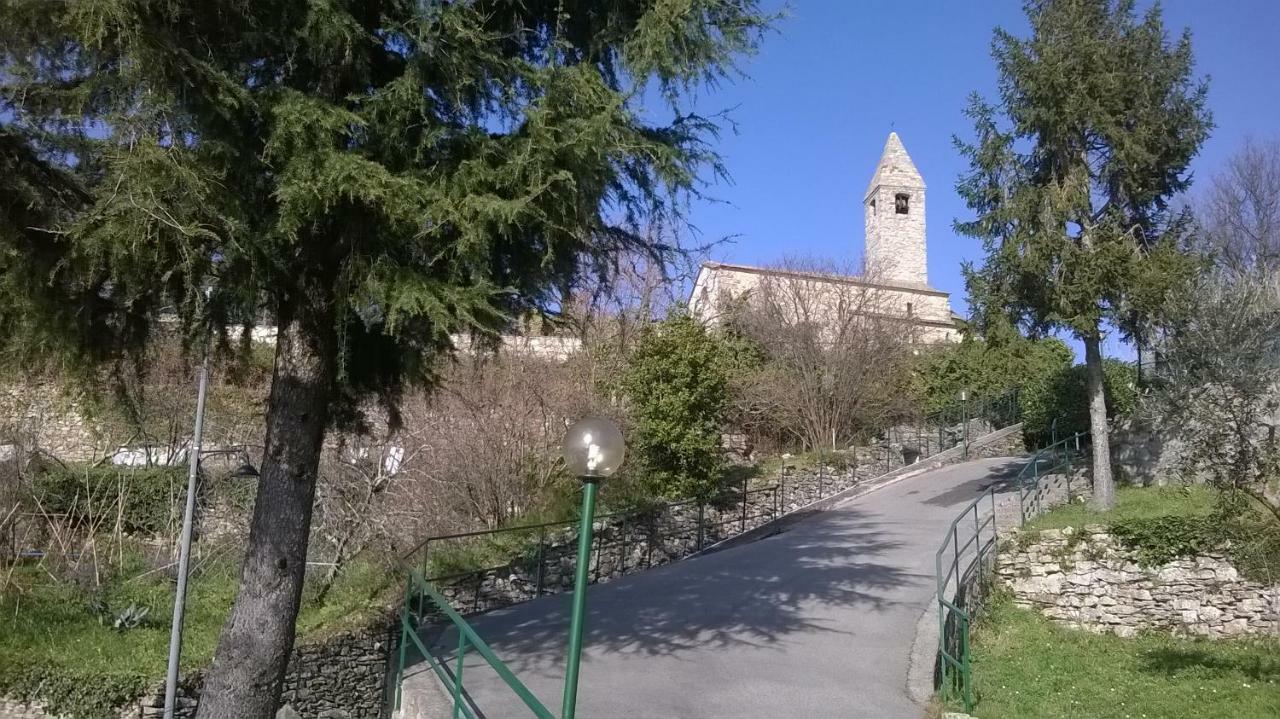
(895, 168)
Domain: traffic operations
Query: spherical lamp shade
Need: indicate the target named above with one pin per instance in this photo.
(593, 447)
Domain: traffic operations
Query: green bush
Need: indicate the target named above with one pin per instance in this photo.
(987, 368)
(1158, 540)
(144, 499)
(81, 694)
(677, 380)
(1062, 396)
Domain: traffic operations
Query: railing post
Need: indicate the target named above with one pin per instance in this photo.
(782, 481)
(622, 555)
(955, 560)
(595, 572)
(702, 511)
(977, 533)
(404, 616)
(542, 556)
(457, 674)
(966, 673)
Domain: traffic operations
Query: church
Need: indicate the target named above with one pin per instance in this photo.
(895, 266)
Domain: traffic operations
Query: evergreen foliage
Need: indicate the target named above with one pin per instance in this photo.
(677, 382)
(369, 177)
(988, 367)
(1061, 395)
(1072, 172)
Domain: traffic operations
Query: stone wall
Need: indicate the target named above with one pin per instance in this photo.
(1087, 579)
(40, 415)
(343, 676)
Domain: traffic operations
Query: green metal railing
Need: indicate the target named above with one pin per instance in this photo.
(961, 589)
(468, 641)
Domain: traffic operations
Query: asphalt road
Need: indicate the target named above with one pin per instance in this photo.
(816, 621)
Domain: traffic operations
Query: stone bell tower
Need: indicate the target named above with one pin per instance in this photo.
(894, 211)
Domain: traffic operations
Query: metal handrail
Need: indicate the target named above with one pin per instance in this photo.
(467, 639)
(955, 664)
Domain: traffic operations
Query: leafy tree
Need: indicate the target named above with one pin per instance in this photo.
(1071, 174)
(1217, 396)
(988, 367)
(1055, 404)
(369, 177)
(677, 382)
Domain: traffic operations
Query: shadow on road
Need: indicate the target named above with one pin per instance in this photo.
(1001, 478)
(730, 598)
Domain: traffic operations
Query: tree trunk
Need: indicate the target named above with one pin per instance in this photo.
(253, 651)
(1104, 491)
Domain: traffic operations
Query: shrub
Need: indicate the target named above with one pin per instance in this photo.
(144, 499)
(677, 382)
(987, 368)
(1158, 540)
(1062, 396)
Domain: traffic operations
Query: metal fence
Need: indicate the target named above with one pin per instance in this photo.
(487, 569)
(419, 590)
(473, 572)
(967, 553)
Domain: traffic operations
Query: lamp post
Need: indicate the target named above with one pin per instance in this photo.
(593, 450)
(188, 518)
(964, 405)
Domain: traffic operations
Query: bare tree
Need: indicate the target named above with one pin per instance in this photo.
(1220, 383)
(1241, 212)
(835, 350)
(485, 449)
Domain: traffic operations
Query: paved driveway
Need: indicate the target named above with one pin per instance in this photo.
(816, 621)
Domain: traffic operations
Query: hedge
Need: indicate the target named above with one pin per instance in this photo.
(144, 499)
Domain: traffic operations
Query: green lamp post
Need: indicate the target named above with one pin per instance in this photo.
(593, 450)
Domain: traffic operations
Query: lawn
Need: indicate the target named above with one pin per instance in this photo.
(1025, 667)
(55, 645)
(1132, 503)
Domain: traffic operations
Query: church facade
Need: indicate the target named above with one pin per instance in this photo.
(895, 267)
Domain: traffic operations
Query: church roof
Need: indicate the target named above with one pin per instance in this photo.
(916, 287)
(895, 168)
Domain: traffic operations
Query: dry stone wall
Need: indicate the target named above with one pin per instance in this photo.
(343, 676)
(1087, 579)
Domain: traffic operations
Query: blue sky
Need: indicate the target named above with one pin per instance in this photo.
(828, 87)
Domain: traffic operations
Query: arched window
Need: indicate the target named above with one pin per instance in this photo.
(901, 203)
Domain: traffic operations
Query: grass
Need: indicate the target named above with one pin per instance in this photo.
(1132, 503)
(1025, 667)
(49, 628)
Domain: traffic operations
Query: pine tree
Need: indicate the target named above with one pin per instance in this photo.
(1072, 172)
(369, 177)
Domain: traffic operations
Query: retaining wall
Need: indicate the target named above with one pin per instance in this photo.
(1087, 579)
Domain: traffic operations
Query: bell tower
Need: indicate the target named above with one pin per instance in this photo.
(894, 216)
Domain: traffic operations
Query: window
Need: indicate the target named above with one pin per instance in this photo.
(901, 203)
(910, 313)
(873, 207)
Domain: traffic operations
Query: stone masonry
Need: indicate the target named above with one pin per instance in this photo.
(1087, 579)
(343, 676)
(895, 280)
(894, 217)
